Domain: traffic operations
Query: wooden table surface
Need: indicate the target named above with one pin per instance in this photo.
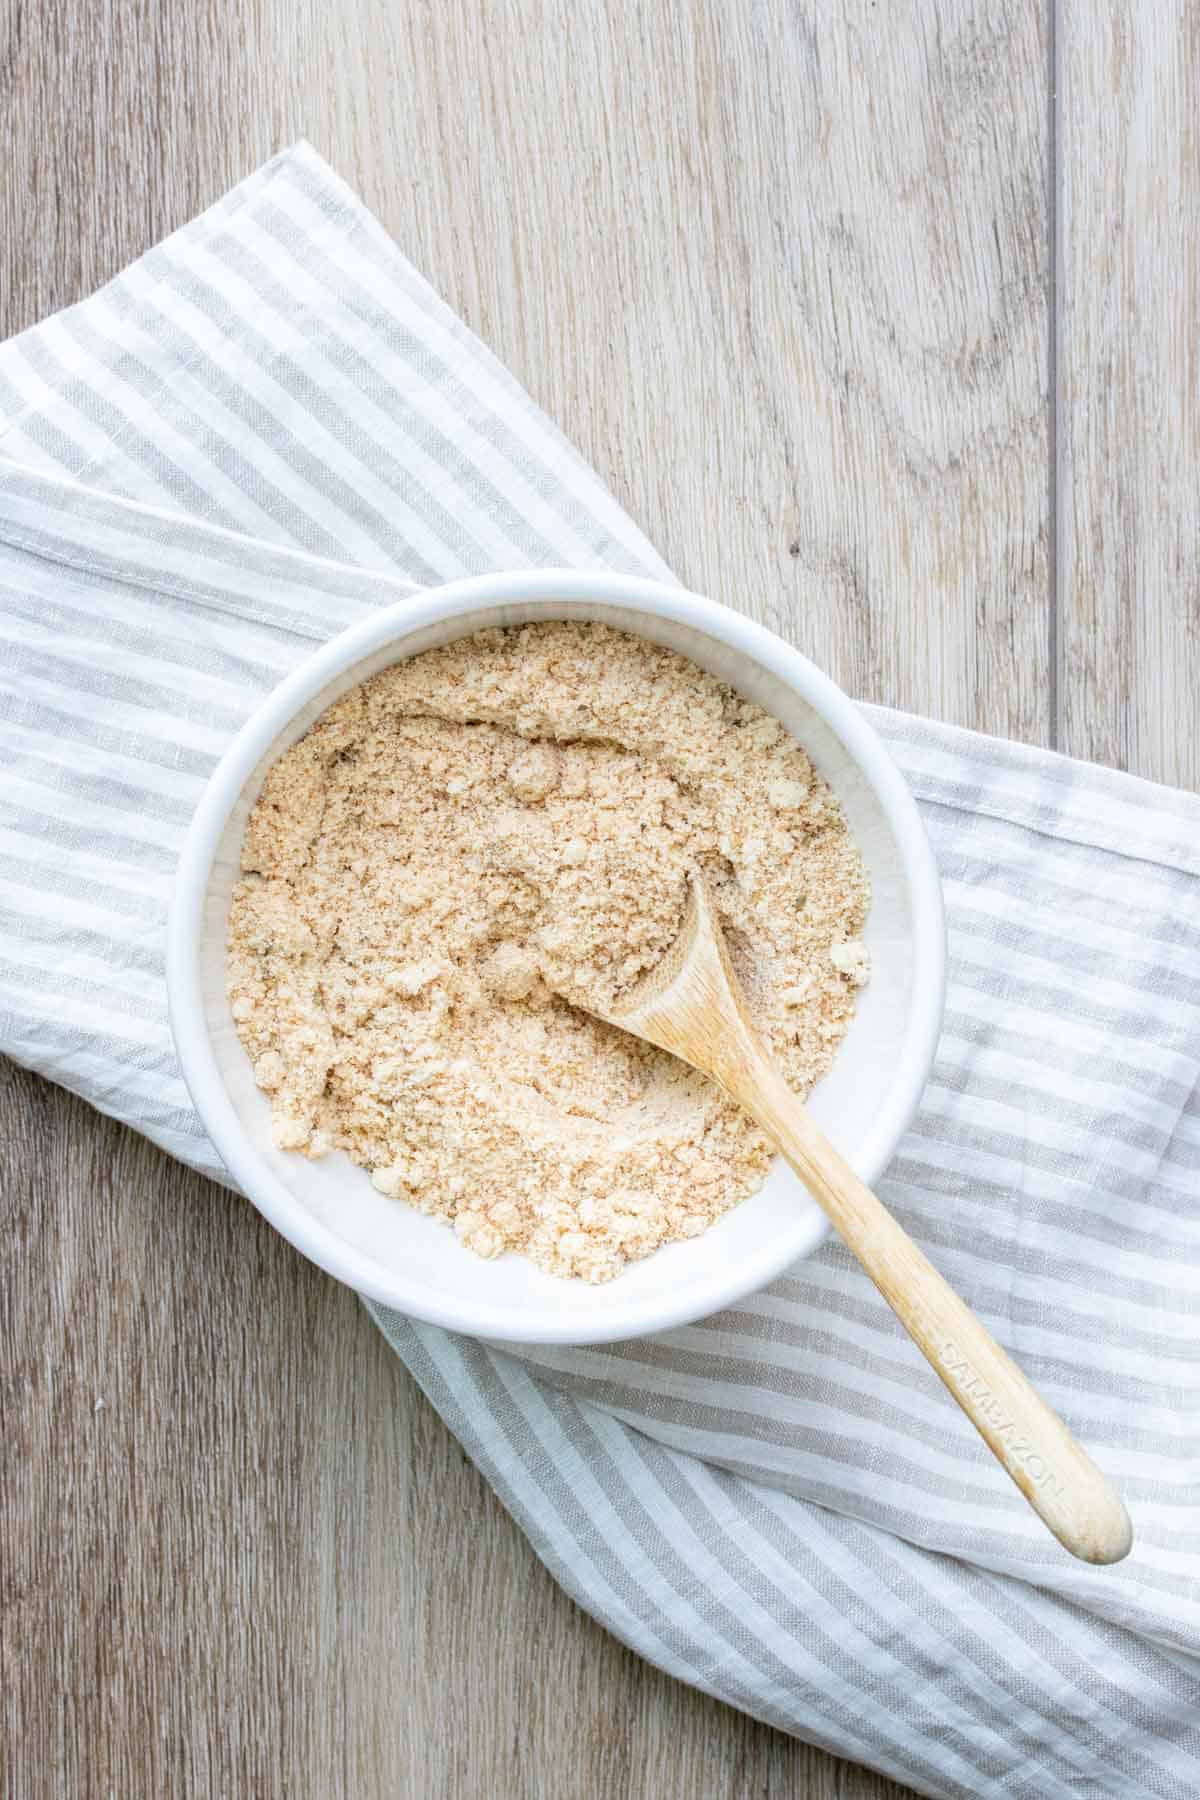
(881, 320)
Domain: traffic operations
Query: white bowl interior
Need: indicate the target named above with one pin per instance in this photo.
(410, 1250)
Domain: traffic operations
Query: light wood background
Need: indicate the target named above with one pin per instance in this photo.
(882, 320)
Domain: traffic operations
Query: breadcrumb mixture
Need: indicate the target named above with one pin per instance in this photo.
(481, 830)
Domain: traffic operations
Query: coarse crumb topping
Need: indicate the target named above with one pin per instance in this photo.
(482, 830)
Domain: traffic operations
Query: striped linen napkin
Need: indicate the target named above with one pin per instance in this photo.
(270, 425)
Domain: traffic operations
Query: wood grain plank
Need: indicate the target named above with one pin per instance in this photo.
(241, 1555)
(780, 271)
(1129, 385)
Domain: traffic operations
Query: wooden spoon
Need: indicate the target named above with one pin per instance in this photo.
(692, 1005)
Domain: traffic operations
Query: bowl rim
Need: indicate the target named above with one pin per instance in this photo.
(393, 623)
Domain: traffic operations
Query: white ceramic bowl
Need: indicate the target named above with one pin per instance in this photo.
(384, 1249)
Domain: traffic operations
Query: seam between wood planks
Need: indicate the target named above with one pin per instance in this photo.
(1054, 647)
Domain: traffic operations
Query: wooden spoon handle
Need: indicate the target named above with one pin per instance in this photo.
(1053, 1471)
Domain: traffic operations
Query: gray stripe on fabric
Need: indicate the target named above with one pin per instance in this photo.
(12, 404)
(270, 429)
(94, 734)
(1051, 1202)
(818, 1336)
(968, 1030)
(889, 1559)
(161, 1118)
(1089, 1677)
(1063, 1169)
(1174, 1672)
(722, 1416)
(652, 1543)
(127, 690)
(728, 1630)
(590, 1546)
(158, 1115)
(526, 1449)
(985, 1701)
(860, 1541)
(36, 425)
(656, 1543)
(1149, 851)
(1099, 1212)
(1005, 758)
(997, 765)
(545, 481)
(995, 1301)
(29, 978)
(42, 879)
(906, 1515)
(713, 1369)
(1030, 1260)
(159, 646)
(131, 853)
(1121, 1020)
(1053, 823)
(244, 555)
(1174, 1386)
(88, 402)
(66, 452)
(222, 454)
(1039, 1560)
(149, 578)
(339, 354)
(1094, 1122)
(972, 795)
(55, 1042)
(1189, 1117)
(657, 1414)
(943, 1143)
(962, 866)
(1141, 975)
(927, 1535)
(1038, 921)
(74, 939)
(101, 789)
(1108, 1714)
(963, 1076)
